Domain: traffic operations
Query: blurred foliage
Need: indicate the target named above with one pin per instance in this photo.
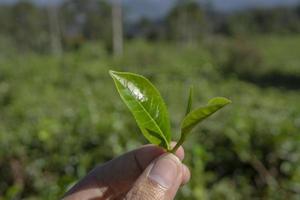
(23, 21)
(62, 116)
(280, 20)
(185, 23)
(85, 20)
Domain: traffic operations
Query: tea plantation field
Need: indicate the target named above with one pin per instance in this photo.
(60, 116)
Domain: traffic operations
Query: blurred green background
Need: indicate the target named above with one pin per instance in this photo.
(60, 114)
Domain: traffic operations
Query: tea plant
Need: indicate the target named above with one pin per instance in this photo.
(151, 114)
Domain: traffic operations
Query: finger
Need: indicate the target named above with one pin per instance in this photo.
(160, 180)
(123, 171)
(186, 174)
(118, 175)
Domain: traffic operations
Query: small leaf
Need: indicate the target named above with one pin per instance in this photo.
(190, 102)
(198, 115)
(147, 106)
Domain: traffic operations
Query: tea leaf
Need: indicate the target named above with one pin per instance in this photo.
(198, 115)
(147, 106)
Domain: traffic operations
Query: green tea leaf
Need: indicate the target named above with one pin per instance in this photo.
(198, 115)
(190, 101)
(147, 106)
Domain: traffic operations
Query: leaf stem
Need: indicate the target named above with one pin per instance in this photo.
(179, 143)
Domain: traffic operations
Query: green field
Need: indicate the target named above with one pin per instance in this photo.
(60, 116)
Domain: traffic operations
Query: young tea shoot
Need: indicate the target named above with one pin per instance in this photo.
(150, 111)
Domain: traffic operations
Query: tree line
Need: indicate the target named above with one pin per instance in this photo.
(69, 25)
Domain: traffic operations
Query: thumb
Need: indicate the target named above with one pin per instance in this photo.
(160, 180)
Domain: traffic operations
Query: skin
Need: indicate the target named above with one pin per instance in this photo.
(127, 176)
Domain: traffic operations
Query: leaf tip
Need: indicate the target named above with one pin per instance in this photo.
(112, 72)
(219, 100)
(227, 101)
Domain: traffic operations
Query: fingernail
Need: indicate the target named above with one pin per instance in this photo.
(165, 170)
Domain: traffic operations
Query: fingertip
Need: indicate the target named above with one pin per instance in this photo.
(160, 180)
(179, 152)
(165, 170)
(186, 174)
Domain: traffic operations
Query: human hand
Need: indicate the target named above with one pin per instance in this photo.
(147, 173)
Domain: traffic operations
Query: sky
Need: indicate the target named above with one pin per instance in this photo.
(242, 4)
(219, 4)
(157, 8)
